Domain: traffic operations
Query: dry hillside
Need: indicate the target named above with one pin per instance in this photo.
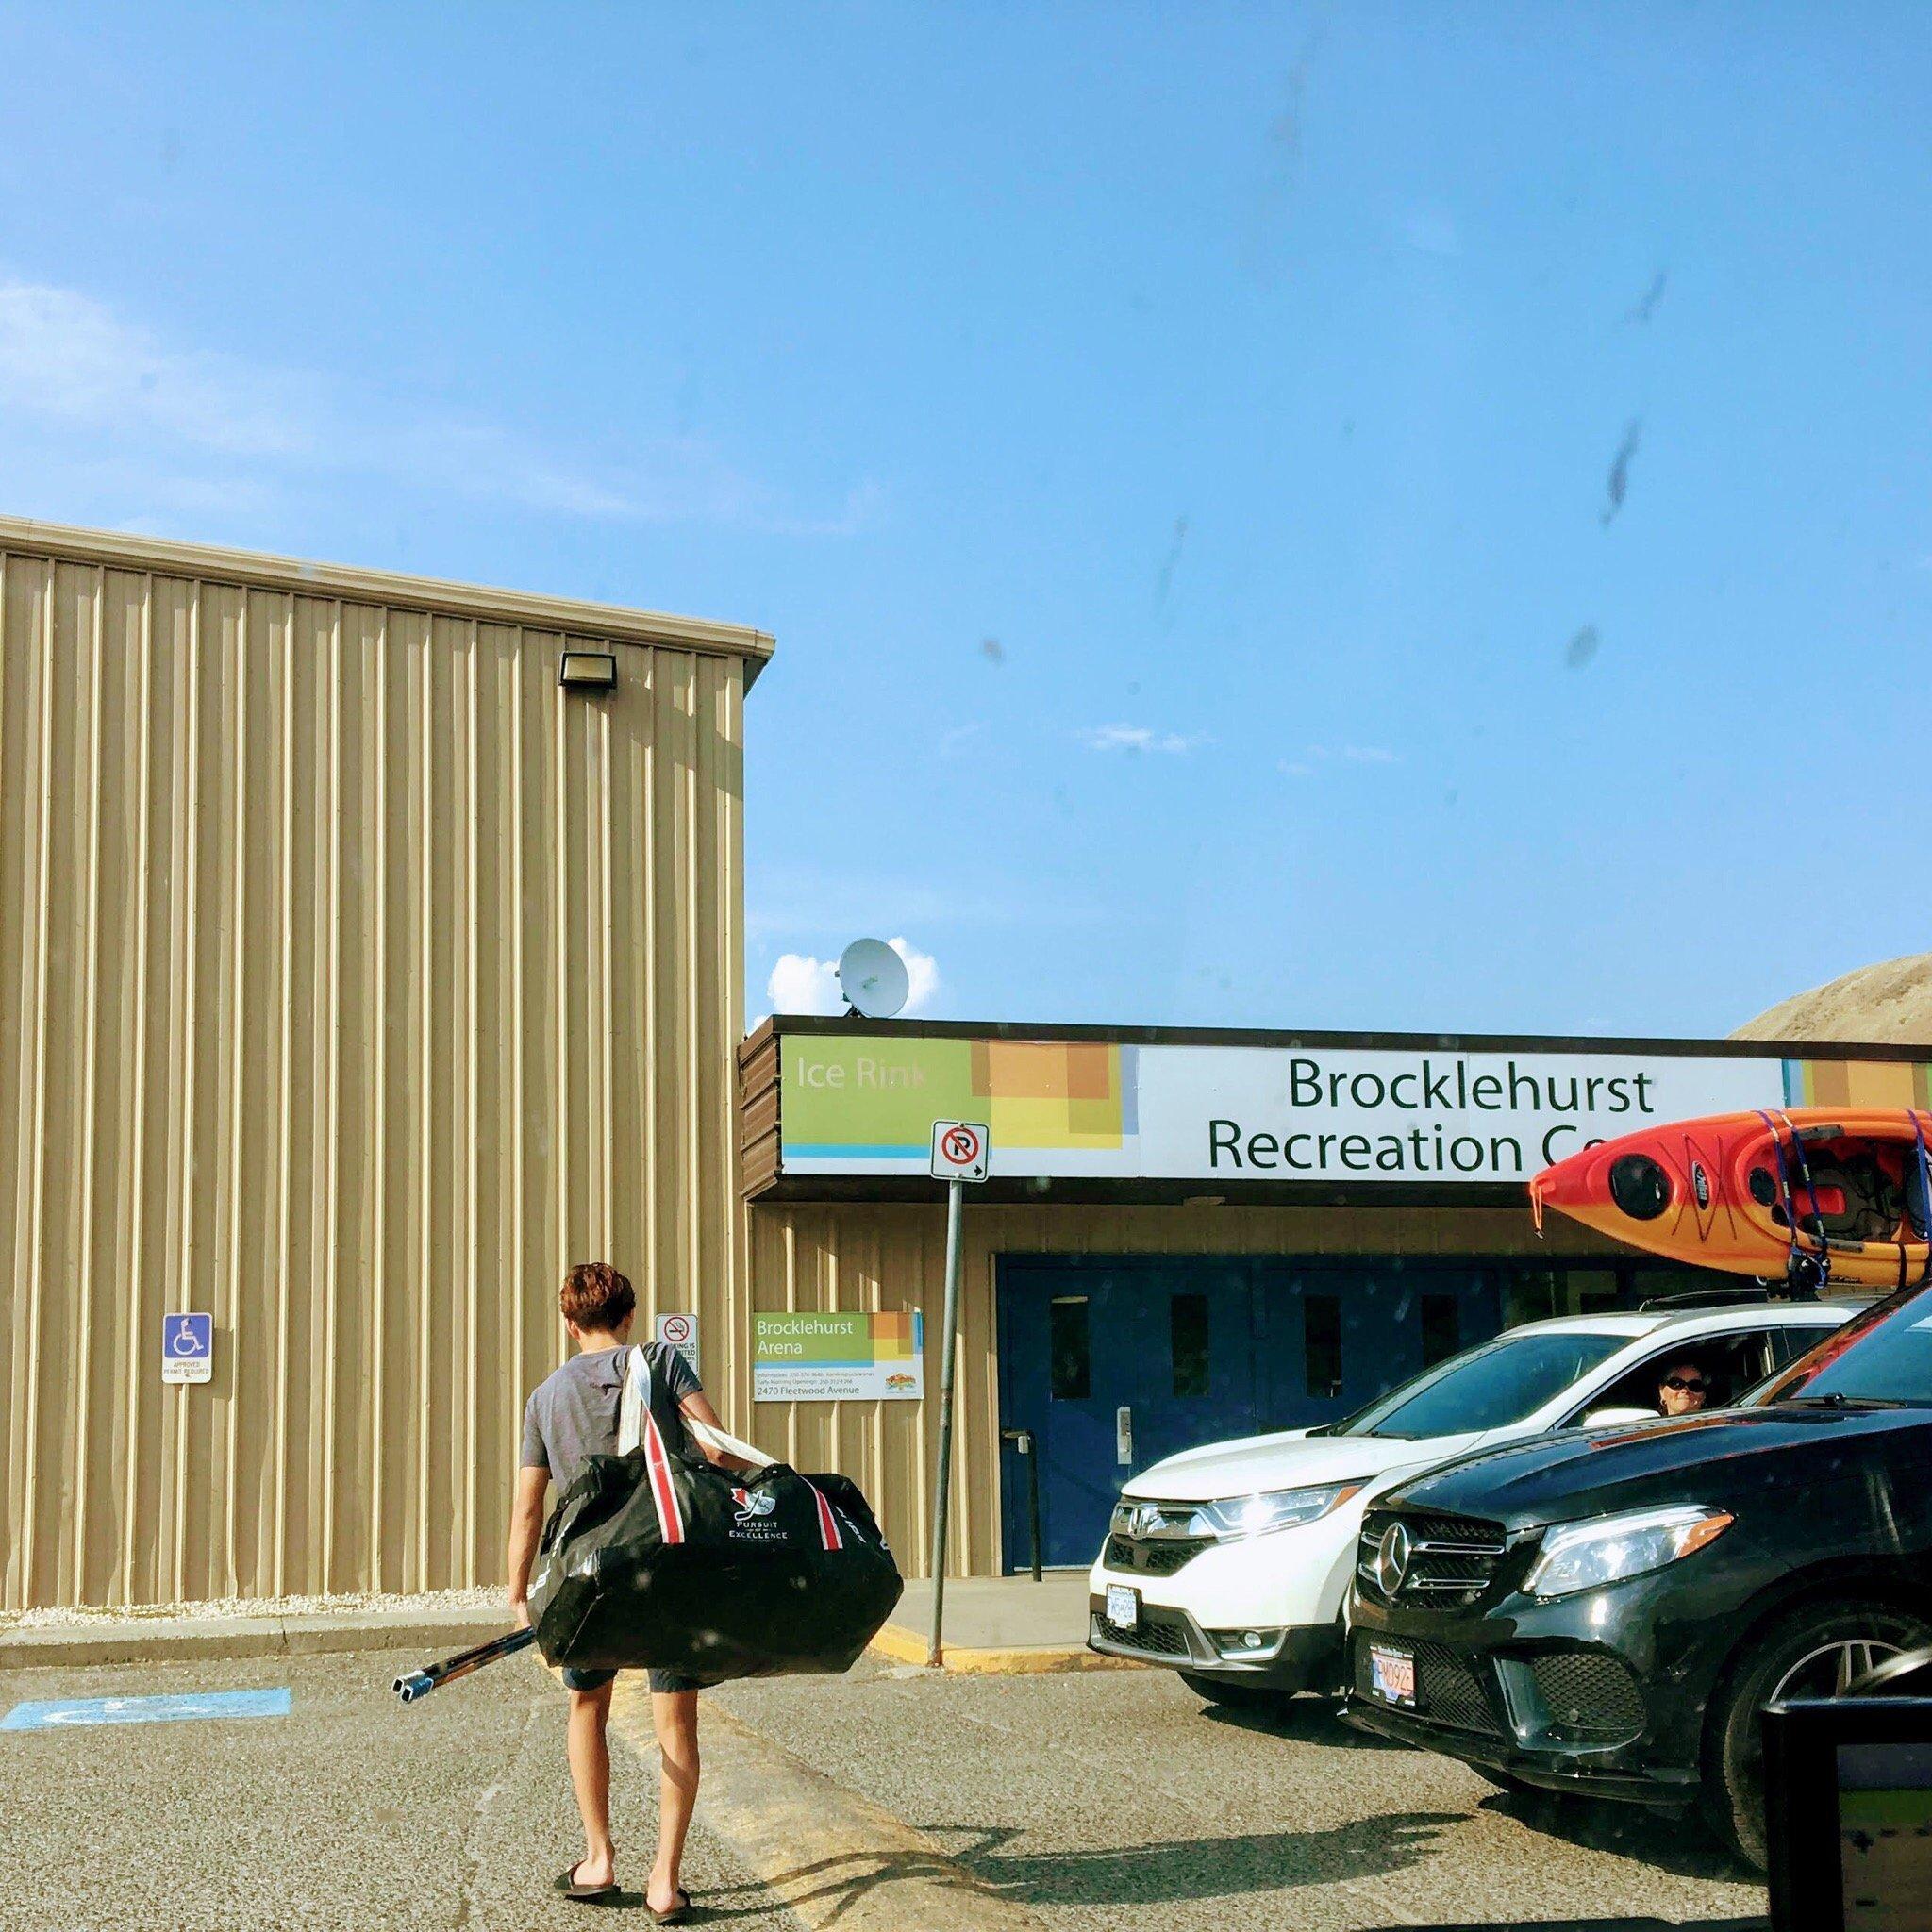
(1889, 1004)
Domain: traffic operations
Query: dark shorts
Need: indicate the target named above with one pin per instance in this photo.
(664, 1683)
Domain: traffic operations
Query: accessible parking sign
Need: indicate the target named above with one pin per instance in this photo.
(188, 1348)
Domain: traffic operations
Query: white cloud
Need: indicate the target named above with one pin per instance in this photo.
(1317, 756)
(187, 425)
(801, 983)
(922, 971)
(1139, 738)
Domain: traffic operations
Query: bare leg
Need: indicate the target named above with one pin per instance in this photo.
(674, 1715)
(589, 1773)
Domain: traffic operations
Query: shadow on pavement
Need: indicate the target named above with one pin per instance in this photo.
(1583, 1925)
(1672, 1843)
(1180, 1869)
(1306, 1720)
(1170, 1871)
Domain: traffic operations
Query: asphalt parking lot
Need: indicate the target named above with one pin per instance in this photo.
(1110, 1798)
(1105, 1799)
(350, 1812)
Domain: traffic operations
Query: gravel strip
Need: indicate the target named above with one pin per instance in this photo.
(428, 1604)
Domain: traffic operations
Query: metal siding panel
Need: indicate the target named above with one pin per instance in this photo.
(352, 975)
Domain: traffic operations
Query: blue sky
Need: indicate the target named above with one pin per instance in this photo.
(1173, 447)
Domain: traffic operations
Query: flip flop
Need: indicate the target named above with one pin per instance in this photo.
(566, 1882)
(678, 1913)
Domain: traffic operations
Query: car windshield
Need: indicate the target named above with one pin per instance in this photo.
(1486, 1389)
(1884, 1355)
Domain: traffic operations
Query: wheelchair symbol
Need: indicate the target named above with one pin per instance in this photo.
(186, 1339)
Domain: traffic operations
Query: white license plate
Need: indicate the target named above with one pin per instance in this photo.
(1391, 1674)
(1123, 1606)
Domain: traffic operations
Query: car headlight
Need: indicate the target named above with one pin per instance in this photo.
(1275, 1508)
(1581, 1555)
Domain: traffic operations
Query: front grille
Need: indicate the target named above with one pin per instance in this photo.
(1447, 1690)
(1154, 1556)
(1157, 1635)
(1589, 1695)
(1452, 1559)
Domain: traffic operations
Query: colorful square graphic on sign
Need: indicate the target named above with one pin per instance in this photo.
(873, 1100)
(1857, 1083)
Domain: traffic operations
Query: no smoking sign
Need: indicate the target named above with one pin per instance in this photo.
(680, 1331)
(959, 1149)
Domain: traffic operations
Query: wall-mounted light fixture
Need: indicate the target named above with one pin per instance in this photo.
(588, 670)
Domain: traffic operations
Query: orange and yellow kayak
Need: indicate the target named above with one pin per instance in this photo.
(1763, 1193)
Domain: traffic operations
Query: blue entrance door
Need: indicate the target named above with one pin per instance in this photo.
(1333, 1335)
(1113, 1366)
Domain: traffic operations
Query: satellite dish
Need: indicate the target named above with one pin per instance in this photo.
(873, 977)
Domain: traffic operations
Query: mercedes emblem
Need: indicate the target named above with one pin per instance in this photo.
(1391, 1559)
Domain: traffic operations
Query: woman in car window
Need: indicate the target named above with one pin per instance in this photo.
(1682, 1389)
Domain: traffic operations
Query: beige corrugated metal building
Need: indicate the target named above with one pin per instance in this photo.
(355, 978)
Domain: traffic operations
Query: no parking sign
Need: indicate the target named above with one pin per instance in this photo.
(959, 1149)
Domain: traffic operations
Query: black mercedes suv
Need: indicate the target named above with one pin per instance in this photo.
(1608, 1612)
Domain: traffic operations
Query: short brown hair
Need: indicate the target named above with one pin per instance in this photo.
(596, 1297)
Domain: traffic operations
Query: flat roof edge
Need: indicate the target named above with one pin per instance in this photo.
(1314, 1038)
(167, 556)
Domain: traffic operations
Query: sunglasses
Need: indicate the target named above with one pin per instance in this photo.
(1696, 1384)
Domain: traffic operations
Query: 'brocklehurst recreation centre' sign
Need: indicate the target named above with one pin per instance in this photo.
(864, 1104)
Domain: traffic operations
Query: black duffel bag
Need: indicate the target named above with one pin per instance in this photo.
(656, 1557)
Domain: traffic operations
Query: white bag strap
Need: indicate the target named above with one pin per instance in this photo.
(634, 1406)
(731, 1445)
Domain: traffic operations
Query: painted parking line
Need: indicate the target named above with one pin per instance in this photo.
(64, 1713)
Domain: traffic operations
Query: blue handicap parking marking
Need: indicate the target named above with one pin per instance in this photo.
(65, 1713)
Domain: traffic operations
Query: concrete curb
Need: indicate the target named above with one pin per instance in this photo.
(896, 1644)
(829, 1855)
(165, 1640)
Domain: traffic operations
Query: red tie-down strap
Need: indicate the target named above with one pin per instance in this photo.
(663, 1490)
(828, 1522)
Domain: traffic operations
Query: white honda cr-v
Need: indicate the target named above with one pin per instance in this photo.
(1232, 1563)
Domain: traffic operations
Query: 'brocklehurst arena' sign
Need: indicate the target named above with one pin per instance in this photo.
(865, 1104)
(838, 1357)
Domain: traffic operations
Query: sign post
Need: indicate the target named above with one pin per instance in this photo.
(960, 1153)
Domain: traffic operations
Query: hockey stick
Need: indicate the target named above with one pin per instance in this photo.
(421, 1683)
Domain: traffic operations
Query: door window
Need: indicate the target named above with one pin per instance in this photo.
(1787, 1344)
(1186, 1340)
(1441, 1329)
(1322, 1345)
(1069, 1348)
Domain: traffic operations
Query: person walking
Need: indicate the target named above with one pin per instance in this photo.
(572, 1416)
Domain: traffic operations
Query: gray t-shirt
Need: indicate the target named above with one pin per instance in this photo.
(572, 1414)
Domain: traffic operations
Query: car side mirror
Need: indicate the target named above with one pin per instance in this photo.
(1615, 1417)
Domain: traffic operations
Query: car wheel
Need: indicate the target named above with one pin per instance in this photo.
(1232, 1694)
(1814, 1652)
